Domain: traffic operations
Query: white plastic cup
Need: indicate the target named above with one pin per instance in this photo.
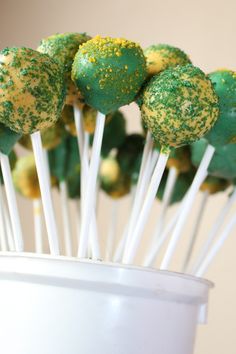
(59, 305)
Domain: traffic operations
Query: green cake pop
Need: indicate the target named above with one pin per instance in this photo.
(51, 137)
(63, 47)
(64, 165)
(32, 90)
(130, 154)
(25, 177)
(181, 187)
(179, 106)
(114, 132)
(109, 72)
(223, 163)
(162, 56)
(224, 131)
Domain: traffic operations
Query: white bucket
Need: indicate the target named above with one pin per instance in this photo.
(57, 305)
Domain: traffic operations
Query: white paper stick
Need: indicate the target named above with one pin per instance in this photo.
(197, 181)
(144, 213)
(169, 188)
(216, 247)
(3, 233)
(79, 130)
(66, 218)
(195, 230)
(83, 144)
(93, 231)
(121, 244)
(148, 147)
(12, 204)
(45, 193)
(46, 160)
(139, 196)
(91, 185)
(111, 235)
(38, 225)
(9, 232)
(154, 251)
(214, 231)
(77, 203)
(93, 237)
(84, 169)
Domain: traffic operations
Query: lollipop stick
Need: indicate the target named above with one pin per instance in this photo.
(146, 151)
(77, 203)
(143, 215)
(93, 237)
(214, 231)
(10, 238)
(198, 179)
(139, 196)
(3, 237)
(216, 247)
(121, 244)
(169, 188)
(65, 218)
(12, 204)
(79, 130)
(46, 193)
(91, 185)
(46, 160)
(38, 226)
(112, 230)
(194, 233)
(152, 255)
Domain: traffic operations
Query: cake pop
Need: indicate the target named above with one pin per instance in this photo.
(109, 72)
(25, 177)
(223, 163)
(64, 165)
(179, 106)
(129, 154)
(162, 56)
(63, 47)
(32, 90)
(182, 185)
(113, 181)
(114, 132)
(224, 130)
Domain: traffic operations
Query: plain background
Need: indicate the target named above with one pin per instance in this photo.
(206, 31)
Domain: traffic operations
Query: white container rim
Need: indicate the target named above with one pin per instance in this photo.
(103, 277)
